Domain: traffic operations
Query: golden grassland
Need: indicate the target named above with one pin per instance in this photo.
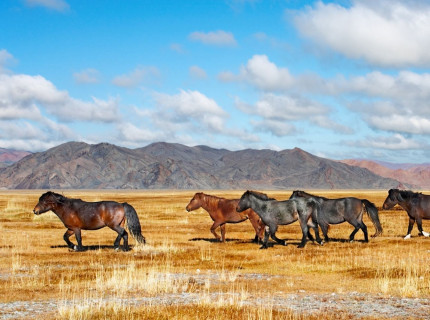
(182, 273)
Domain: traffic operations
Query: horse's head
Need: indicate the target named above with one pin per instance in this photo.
(243, 203)
(195, 202)
(393, 198)
(47, 201)
(297, 194)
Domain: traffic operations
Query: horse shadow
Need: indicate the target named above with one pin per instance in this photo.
(89, 248)
(213, 240)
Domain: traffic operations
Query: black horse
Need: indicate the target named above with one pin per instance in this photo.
(77, 214)
(335, 211)
(417, 206)
(274, 213)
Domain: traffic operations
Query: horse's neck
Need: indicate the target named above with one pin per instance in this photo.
(60, 209)
(257, 204)
(209, 203)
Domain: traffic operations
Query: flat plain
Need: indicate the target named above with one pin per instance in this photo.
(183, 273)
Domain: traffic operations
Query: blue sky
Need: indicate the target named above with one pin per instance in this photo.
(339, 79)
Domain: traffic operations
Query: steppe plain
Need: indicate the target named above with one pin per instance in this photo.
(182, 273)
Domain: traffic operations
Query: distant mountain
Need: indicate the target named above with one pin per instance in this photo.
(77, 165)
(8, 156)
(415, 175)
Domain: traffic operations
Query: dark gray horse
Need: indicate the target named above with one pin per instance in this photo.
(274, 213)
(335, 211)
(417, 205)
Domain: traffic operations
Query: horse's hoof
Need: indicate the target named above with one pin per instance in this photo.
(351, 240)
(116, 248)
(300, 246)
(126, 249)
(321, 243)
(407, 237)
(285, 243)
(425, 234)
(263, 247)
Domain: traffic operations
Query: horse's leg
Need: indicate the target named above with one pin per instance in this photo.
(214, 226)
(266, 237)
(305, 230)
(222, 227)
(121, 234)
(324, 229)
(410, 226)
(273, 230)
(66, 237)
(352, 235)
(364, 229)
(79, 240)
(420, 228)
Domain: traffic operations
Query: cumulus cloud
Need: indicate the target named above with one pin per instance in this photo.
(216, 38)
(56, 5)
(190, 107)
(394, 142)
(28, 94)
(395, 103)
(261, 73)
(137, 76)
(87, 76)
(386, 32)
(280, 112)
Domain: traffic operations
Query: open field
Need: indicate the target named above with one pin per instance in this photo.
(183, 274)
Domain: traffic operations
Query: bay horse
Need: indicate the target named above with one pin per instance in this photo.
(77, 214)
(417, 206)
(223, 211)
(274, 213)
(350, 209)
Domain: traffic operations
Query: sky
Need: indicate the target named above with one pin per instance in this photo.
(339, 79)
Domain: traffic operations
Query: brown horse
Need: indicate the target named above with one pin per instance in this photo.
(77, 214)
(417, 206)
(223, 211)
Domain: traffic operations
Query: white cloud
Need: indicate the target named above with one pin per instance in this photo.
(395, 142)
(27, 95)
(137, 76)
(87, 76)
(57, 5)
(386, 32)
(217, 38)
(198, 73)
(191, 106)
(261, 73)
(279, 112)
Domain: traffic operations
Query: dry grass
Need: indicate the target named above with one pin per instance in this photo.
(183, 274)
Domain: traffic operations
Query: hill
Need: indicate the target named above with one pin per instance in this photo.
(8, 156)
(417, 175)
(77, 165)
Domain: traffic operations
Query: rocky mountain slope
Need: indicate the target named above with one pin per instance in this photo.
(77, 165)
(415, 175)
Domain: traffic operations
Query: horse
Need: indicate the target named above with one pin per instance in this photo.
(335, 211)
(417, 206)
(223, 211)
(274, 213)
(77, 214)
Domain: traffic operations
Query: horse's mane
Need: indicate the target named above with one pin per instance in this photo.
(310, 195)
(260, 195)
(58, 197)
(407, 194)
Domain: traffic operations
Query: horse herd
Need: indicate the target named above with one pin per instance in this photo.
(264, 213)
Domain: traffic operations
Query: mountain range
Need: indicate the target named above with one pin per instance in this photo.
(78, 165)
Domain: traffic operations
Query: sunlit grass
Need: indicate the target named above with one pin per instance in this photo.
(203, 278)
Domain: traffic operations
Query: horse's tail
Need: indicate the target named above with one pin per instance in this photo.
(372, 212)
(133, 223)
